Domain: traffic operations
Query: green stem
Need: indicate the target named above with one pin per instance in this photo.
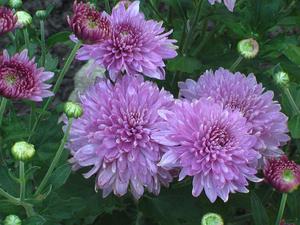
(55, 160)
(291, 100)
(2, 109)
(26, 38)
(9, 197)
(236, 63)
(12, 36)
(193, 25)
(281, 208)
(43, 43)
(56, 86)
(22, 180)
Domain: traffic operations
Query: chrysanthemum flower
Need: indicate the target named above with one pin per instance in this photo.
(88, 24)
(7, 20)
(21, 79)
(282, 222)
(282, 174)
(228, 3)
(114, 136)
(244, 94)
(210, 144)
(135, 46)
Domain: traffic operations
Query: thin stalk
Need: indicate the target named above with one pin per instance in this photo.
(236, 63)
(55, 160)
(12, 36)
(9, 197)
(26, 38)
(2, 109)
(291, 100)
(281, 208)
(56, 86)
(22, 180)
(43, 43)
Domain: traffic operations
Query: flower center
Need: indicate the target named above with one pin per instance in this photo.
(10, 79)
(288, 175)
(216, 138)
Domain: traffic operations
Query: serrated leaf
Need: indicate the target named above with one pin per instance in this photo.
(292, 52)
(259, 213)
(184, 64)
(60, 175)
(59, 37)
(294, 126)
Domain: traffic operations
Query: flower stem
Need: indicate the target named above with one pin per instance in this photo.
(9, 197)
(2, 109)
(56, 86)
(26, 38)
(22, 180)
(281, 208)
(55, 160)
(43, 43)
(291, 100)
(236, 63)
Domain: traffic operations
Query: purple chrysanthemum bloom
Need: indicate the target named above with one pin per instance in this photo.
(282, 174)
(8, 20)
(228, 3)
(244, 94)
(114, 136)
(135, 46)
(21, 79)
(211, 144)
(88, 24)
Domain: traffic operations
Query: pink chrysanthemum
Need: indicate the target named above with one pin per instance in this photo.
(228, 3)
(21, 79)
(88, 24)
(210, 144)
(135, 46)
(282, 174)
(8, 20)
(244, 94)
(114, 136)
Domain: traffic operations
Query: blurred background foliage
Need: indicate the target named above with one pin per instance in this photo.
(207, 39)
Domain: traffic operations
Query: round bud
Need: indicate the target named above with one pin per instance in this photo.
(12, 220)
(15, 3)
(248, 48)
(22, 151)
(212, 219)
(24, 19)
(282, 78)
(41, 14)
(73, 110)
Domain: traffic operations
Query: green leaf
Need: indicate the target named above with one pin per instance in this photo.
(60, 175)
(35, 220)
(259, 213)
(294, 126)
(184, 64)
(51, 62)
(59, 37)
(292, 52)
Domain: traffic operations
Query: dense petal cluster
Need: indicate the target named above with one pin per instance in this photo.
(8, 20)
(228, 3)
(114, 136)
(282, 174)
(88, 24)
(243, 94)
(210, 144)
(136, 45)
(21, 79)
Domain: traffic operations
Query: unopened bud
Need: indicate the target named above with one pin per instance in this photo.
(248, 48)
(73, 110)
(23, 151)
(15, 3)
(12, 220)
(212, 219)
(282, 78)
(41, 14)
(24, 19)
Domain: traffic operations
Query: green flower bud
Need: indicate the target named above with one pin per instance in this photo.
(212, 219)
(73, 110)
(24, 19)
(22, 151)
(12, 220)
(41, 14)
(248, 48)
(15, 3)
(282, 78)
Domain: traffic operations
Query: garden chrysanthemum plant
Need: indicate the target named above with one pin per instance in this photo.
(144, 139)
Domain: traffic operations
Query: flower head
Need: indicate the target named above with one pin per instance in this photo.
(24, 19)
(228, 3)
(243, 94)
(88, 24)
(15, 3)
(21, 79)
(282, 174)
(23, 151)
(73, 110)
(136, 45)
(282, 78)
(8, 20)
(212, 219)
(210, 144)
(248, 48)
(12, 220)
(114, 135)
